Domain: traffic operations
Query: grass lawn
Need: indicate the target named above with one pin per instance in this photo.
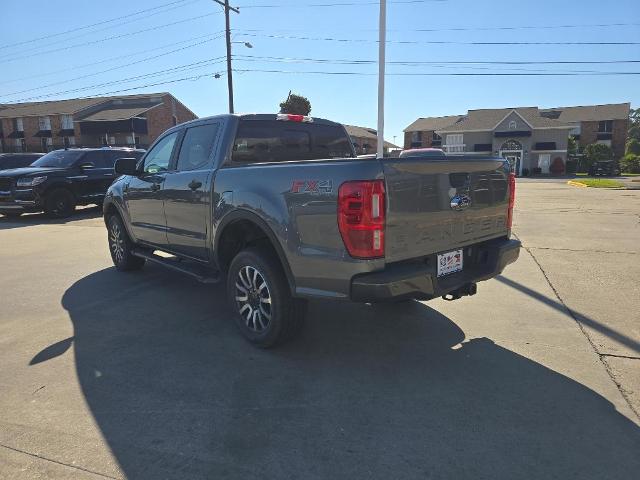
(622, 174)
(600, 183)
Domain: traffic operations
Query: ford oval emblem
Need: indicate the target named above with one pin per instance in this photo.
(460, 202)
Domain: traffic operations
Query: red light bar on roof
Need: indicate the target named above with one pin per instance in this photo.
(288, 117)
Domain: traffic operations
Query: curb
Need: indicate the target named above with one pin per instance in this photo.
(576, 184)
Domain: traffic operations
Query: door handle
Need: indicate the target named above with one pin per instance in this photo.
(194, 185)
(155, 187)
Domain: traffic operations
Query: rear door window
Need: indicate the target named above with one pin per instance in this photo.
(195, 150)
(276, 141)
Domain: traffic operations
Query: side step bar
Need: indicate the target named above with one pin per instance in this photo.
(200, 273)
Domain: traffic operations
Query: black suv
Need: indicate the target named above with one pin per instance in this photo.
(17, 160)
(60, 180)
(604, 167)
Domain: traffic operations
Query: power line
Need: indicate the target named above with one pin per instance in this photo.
(460, 74)
(430, 42)
(91, 25)
(114, 37)
(338, 4)
(117, 67)
(138, 87)
(464, 62)
(110, 59)
(406, 64)
(91, 32)
(188, 66)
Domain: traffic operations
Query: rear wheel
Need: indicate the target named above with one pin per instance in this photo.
(260, 298)
(59, 203)
(121, 246)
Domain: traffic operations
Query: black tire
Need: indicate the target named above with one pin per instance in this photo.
(12, 214)
(59, 203)
(269, 316)
(120, 246)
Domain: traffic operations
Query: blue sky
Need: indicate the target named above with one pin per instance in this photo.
(33, 69)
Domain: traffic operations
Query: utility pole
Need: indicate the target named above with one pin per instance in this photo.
(381, 59)
(227, 7)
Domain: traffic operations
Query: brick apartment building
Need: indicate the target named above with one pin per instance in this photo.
(607, 124)
(89, 122)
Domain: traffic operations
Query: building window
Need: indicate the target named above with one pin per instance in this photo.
(67, 122)
(18, 125)
(416, 139)
(604, 142)
(605, 126)
(20, 144)
(454, 143)
(513, 125)
(174, 119)
(69, 142)
(44, 123)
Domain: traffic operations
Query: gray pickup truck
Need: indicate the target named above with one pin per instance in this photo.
(280, 208)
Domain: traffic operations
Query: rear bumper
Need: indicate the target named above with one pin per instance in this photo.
(419, 279)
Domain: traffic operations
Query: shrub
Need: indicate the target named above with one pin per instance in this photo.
(537, 170)
(557, 166)
(593, 153)
(525, 172)
(630, 163)
(633, 146)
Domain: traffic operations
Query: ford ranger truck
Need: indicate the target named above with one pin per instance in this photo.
(279, 208)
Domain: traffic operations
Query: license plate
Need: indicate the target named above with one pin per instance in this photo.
(449, 262)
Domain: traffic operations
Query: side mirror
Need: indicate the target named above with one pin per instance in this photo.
(87, 166)
(127, 166)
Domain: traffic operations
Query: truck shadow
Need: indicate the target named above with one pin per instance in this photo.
(366, 392)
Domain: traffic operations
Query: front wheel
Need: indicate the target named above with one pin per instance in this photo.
(260, 298)
(59, 203)
(121, 246)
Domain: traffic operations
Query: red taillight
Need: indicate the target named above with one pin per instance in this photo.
(512, 198)
(361, 218)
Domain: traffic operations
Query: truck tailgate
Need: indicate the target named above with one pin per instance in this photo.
(420, 217)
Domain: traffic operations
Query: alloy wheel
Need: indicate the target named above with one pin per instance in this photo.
(253, 299)
(117, 242)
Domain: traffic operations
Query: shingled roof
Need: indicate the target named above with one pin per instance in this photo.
(432, 123)
(488, 119)
(594, 113)
(62, 107)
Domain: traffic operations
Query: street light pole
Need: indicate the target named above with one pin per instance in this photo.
(381, 59)
(227, 7)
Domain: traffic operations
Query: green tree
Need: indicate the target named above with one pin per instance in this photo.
(296, 104)
(634, 124)
(630, 163)
(633, 146)
(595, 152)
(572, 145)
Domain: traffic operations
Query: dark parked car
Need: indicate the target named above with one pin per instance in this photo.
(17, 160)
(605, 167)
(280, 208)
(60, 180)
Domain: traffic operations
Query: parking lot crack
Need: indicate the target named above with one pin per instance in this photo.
(75, 467)
(572, 314)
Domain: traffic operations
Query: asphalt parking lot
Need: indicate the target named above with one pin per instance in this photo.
(142, 375)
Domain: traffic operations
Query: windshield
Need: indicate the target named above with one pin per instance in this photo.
(58, 159)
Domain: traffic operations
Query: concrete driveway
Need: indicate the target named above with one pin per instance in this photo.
(143, 376)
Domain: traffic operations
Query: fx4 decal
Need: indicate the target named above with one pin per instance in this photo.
(312, 186)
